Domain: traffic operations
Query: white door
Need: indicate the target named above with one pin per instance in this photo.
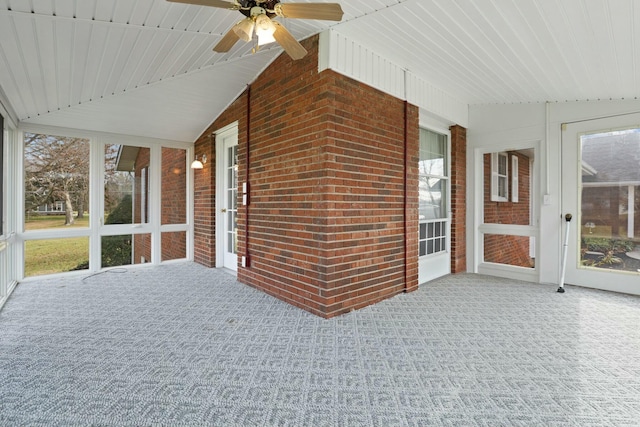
(434, 207)
(505, 210)
(227, 197)
(600, 187)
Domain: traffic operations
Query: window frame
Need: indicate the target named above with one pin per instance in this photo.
(442, 239)
(497, 177)
(97, 229)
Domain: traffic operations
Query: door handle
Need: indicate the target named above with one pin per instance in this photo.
(223, 210)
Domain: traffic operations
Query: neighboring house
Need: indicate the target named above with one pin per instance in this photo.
(54, 208)
(136, 161)
(611, 182)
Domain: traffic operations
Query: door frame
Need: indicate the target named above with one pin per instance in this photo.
(571, 203)
(430, 267)
(480, 228)
(220, 231)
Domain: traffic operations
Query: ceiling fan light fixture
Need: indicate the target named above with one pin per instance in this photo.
(265, 38)
(244, 29)
(258, 21)
(265, 30)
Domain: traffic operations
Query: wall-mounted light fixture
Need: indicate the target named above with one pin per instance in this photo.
(199, 164)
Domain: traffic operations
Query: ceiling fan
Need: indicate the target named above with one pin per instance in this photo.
(258, 20)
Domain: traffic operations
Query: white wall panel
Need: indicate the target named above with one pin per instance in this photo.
(140, 12)
(80, 52)
(104, 11)
(94, 61)
(30, 58)
(123, 10)
(174, 46)
(63, 35)
(47, 62)
(131, 61)
(42, 7)
(158, 14)
(347, 57)
(65, 8)
(85, 9)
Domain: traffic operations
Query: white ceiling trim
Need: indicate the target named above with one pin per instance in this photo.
(69, 59)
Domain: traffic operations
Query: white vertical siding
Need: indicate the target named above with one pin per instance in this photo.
(353, 60)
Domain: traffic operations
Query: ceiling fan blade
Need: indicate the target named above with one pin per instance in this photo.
(288, 42)
(227, 42)
(213, 3)
(324, 11)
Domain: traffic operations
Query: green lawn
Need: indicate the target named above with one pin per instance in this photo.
(45, 222)
(54, 255)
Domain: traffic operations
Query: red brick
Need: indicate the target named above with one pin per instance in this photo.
(332, 223)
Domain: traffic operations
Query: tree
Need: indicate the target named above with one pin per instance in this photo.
(117, 183)
(56, 168)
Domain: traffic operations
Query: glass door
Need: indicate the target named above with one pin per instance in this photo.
(601, 189)
(227, 198)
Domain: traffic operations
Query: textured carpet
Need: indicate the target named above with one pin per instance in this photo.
(183, 345)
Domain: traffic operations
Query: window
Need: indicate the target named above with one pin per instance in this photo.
(433, 193)
(56, 181)
(126, 184)
(499, 177)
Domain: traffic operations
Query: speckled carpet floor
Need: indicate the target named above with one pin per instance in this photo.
(183, 345)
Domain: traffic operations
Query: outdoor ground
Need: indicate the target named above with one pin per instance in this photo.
(54, 255)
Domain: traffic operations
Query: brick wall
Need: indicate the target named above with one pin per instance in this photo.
(333, 215)
(174, 203)
(602, 207)
(174, 184)
(458, 199)
(205, 181)
(174, 245)
(511, 250)
(371, 237)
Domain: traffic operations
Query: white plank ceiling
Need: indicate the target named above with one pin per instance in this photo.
(146, 68)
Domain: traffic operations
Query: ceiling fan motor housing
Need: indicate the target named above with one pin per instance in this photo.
(248, 6)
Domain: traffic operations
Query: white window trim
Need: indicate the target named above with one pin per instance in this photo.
(514, 179)
(447, 182)
(96, 230)
(496, 177)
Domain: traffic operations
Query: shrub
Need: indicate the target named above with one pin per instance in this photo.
(116, 250)
(604, 245)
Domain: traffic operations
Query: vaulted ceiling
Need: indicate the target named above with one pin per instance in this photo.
(146, 67)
